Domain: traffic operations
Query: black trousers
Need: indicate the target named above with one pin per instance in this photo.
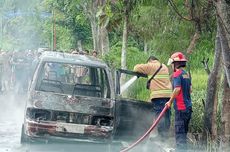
(182, 119)
(164, 124)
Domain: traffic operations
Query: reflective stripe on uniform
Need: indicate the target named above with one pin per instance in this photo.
(160, 76)
(161, 92)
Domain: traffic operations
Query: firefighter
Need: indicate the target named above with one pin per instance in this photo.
(181, 99)
(161, 89)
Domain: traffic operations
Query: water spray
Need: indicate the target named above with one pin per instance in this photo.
(135, 75)
(128, 83)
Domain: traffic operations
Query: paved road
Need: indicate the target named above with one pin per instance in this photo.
(11, 118)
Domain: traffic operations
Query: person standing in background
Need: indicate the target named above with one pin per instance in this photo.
(94, 53)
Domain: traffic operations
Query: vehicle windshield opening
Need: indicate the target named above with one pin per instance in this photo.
(72, 79)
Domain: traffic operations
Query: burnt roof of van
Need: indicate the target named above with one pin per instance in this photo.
(50, 56)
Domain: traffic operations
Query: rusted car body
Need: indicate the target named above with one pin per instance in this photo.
(71, 97)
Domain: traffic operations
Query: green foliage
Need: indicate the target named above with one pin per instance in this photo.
(147, 20)
(204, 49)
(176, 37)
(71, 21)
(19, 25)
(134, 56)
(33, 26)
(139, 91)
(199, 79)
(198, 97)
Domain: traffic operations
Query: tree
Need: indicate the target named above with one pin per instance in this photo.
(127, 4)
(99, 13)
(19, 28)
(223, 12)
(225, 115)
(147, 20)
(90, 10)
(210, 112)
(72, 25)
(222, 51)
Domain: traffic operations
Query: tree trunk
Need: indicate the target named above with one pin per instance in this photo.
(94, 34)
(211, 96)
(90, 9)
(99, 40)
(193, 43)
(223, 11)
(225, 52)
(145, 47)
(124, 47)
(225, 116)
(104, 40)
(124, 43)
(79, 45)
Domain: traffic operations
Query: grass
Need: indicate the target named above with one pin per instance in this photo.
(199, 80)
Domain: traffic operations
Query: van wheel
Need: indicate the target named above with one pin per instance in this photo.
(24, 138)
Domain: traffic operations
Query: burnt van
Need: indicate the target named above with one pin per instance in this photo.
(77, 98)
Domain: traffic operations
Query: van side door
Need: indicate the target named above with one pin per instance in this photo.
(133, 117)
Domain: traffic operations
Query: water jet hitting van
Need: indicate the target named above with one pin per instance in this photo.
(74, 98)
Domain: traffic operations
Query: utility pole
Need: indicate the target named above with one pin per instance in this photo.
(54, 40)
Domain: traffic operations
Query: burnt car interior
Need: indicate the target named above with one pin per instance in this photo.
(73, 79)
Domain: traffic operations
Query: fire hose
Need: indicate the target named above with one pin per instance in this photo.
(147, 132)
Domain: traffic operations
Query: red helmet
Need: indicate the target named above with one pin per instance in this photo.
(177, 57)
